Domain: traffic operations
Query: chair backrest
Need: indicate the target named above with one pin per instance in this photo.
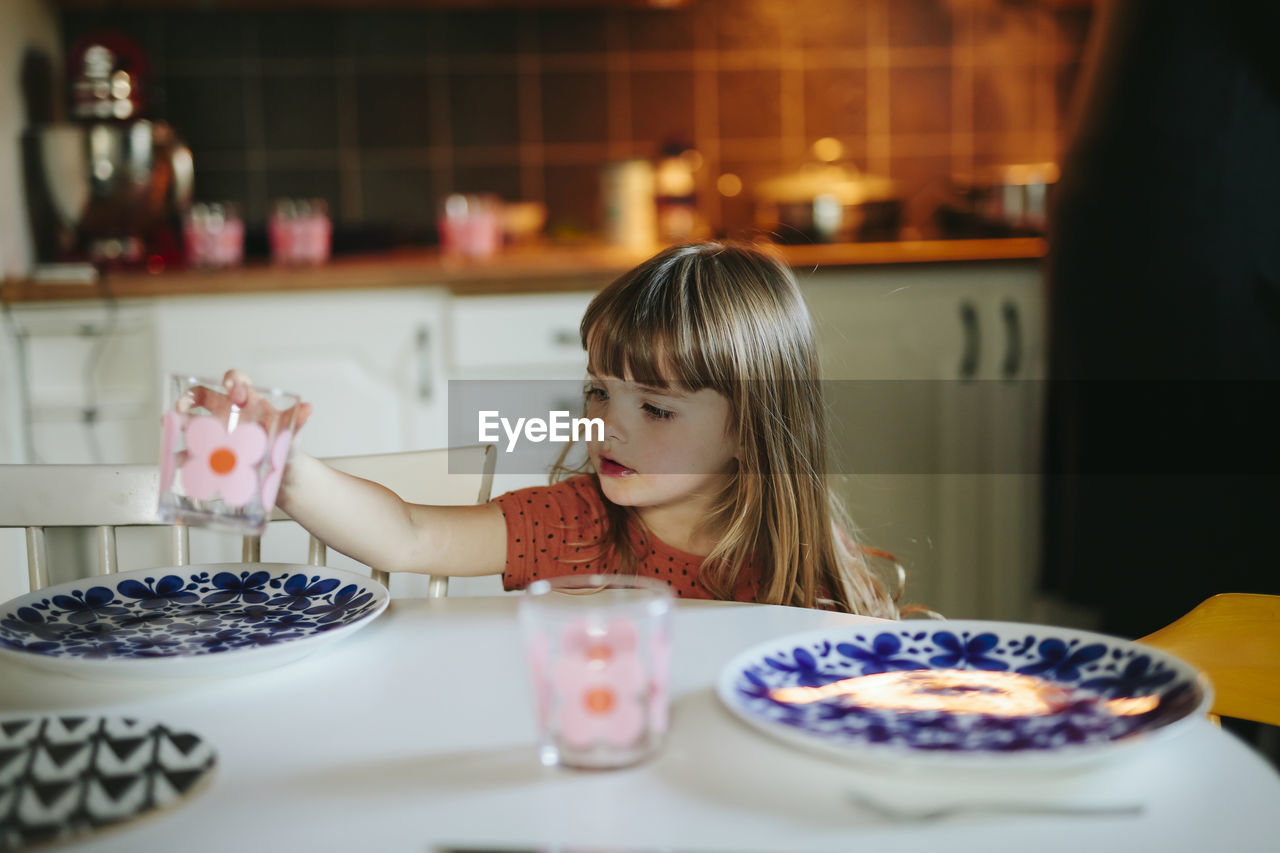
(105, 497)
(1234, 638)
(452, 477)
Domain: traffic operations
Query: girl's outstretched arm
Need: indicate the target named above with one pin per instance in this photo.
(370, 523)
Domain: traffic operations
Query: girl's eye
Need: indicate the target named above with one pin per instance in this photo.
(656, 413)
(595, 393)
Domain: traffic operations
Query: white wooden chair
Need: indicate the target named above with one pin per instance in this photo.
(105, 497)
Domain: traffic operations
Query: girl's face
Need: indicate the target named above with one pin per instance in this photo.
(662, 447)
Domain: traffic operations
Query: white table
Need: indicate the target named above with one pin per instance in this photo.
(417, 732)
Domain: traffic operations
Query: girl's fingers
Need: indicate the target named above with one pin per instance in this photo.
(240, 393)
(299, 412)
(239, 387)
(217, 404)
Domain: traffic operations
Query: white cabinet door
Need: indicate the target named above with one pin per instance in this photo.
(1013, 424)
(931, 372)
(77, 383)
(518, 336)
(370, 362)
(528, 347)
(886, 337)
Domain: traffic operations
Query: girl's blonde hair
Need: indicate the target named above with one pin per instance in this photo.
(730, 317)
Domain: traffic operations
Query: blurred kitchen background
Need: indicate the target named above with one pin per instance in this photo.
(383, 110)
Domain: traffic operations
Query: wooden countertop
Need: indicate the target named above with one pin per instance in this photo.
(524, 270)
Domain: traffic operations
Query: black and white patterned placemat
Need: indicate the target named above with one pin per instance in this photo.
(62, 776)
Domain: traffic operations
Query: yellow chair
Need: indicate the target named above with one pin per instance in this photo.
(1234, 638)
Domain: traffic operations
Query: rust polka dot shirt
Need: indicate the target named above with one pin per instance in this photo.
(556, 530)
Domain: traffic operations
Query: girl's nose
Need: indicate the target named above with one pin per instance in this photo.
(614, 429)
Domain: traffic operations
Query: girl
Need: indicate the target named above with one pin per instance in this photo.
(710, 473)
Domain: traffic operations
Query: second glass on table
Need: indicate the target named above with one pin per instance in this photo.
(221, 465)
(599, 652)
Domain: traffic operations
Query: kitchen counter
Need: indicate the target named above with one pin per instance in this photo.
(524, 270)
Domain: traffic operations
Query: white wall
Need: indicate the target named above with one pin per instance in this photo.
(23, 24)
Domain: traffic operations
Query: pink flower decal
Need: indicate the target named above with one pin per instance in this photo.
(170, 426)
(601, 684)
(279, 456)
(221, 462)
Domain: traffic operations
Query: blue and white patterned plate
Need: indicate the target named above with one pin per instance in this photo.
(187, 621)
(966, 693)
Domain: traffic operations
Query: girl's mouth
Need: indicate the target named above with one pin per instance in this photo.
(609, 468)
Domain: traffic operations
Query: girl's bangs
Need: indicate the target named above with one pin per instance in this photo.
(646, 350)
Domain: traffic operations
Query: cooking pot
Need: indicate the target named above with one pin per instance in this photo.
(828, 203)
(1015, 196)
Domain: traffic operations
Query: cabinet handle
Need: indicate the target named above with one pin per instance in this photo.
(564, 338)
(972, 340)
(1013, 339)
(423, 343)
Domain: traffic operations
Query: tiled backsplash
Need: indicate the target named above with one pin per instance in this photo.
(384, 112)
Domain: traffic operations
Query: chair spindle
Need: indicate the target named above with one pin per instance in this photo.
(181, 540)
(108, 561)
(37, 558)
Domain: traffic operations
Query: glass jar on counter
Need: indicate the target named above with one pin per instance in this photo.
(300, 231)
(214, 235)
(470, 225)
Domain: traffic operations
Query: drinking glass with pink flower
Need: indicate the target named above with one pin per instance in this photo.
(599, 653)
(221, 464)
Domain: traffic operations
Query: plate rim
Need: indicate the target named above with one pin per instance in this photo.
(155, 666)
(870, 754)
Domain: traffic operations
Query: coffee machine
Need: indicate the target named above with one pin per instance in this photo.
(107, 184)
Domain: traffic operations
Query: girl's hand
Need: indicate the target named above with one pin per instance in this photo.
(360, 518)
(253, 406)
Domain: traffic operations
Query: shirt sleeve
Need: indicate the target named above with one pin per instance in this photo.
(551, 530)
